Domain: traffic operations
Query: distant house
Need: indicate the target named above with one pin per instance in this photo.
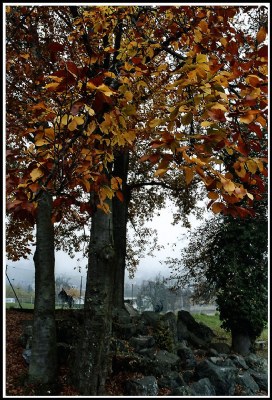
(10, 300)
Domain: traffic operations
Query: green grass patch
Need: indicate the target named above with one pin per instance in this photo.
(213, 322)
(16, 305)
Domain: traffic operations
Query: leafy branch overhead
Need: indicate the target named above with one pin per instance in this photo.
(86, 82)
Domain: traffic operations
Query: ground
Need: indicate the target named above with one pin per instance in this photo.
(17, 369)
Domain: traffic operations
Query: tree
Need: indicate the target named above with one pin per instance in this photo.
(44, 329)
(227, 258)
(158, 295)
(120, 67)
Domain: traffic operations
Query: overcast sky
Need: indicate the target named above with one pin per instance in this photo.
(23, 270)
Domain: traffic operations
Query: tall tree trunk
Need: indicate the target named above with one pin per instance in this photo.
(92, 357)
(241, 342)
(120, 212)
(43, 363)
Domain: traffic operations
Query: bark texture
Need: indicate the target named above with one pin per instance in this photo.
(92, 361)
(241, 343)
(43, 363)
(120, 213)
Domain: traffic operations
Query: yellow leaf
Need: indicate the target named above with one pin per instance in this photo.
(65, 119)
(160, 172)
(223, 41)
(141, 83)
(106, 191)
(162, 67)
(228, 185)
(201, 58)
(52, 85)
(182, 108)
(240, 192)
(261, 35)
(105, 89)
(90, 111)
(91, 86)
(206, 123)
(203, 26)
(72, 125)
(155, 122)
(130, 136)
(110, 74)
(79, 120)
(128, 95)
(198, 36)
(36, 174)
(218, 106)
(129, 109)
(91, 127)
(252, 166)
(250, 196)
(41, 142)
(229, 150)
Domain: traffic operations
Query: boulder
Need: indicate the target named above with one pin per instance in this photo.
(146, 386)
(142, 342)
(220, 347)
(247, 384)
(183, 391)
(203, 387)
(256, 363)
(261, 378)
(151, 318)
(222, 378)
(187, 358)
(189, 329)
(171, 380)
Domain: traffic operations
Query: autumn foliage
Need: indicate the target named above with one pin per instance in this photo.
(85, 82)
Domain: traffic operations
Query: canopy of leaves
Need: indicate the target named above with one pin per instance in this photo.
(185, 85)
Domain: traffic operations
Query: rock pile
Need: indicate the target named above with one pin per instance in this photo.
(170, 352)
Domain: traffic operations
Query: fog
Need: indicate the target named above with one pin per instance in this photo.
(173, 238)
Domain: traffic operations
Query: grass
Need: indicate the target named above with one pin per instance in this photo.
(213, 322)
(16, 306)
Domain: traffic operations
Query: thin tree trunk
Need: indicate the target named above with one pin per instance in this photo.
(92, 359)
(120, 212)
(43, 362)
(241, 343)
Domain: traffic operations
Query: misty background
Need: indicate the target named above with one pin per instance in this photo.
(173, 237)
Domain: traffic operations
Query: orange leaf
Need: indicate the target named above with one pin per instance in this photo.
(213, 195)
(261, 35)
(189, 174)
(120, 195)
(218, 207)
